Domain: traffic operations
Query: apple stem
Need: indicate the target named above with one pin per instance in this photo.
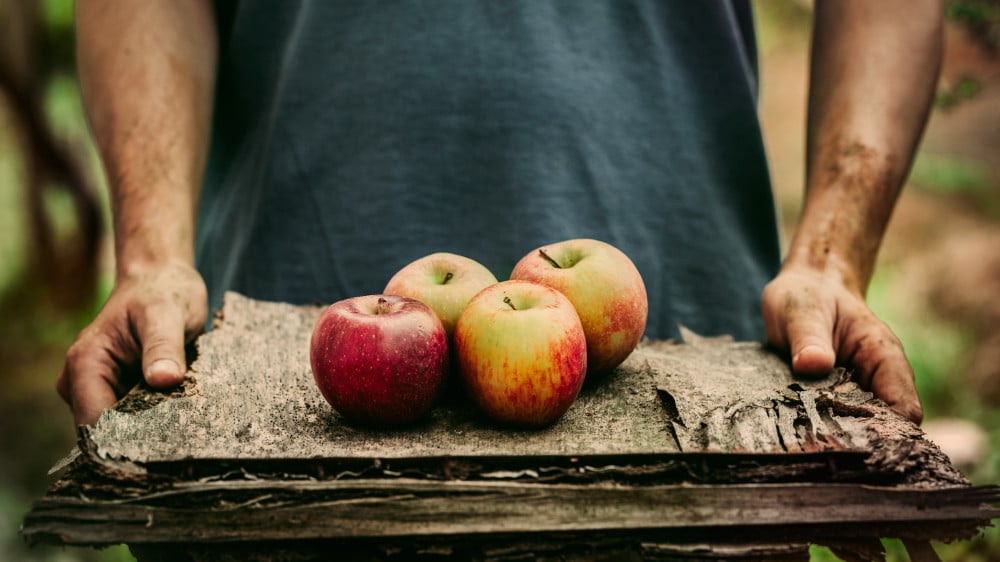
(383, 306)
(447, 277)
(507, 301)
(549, 259)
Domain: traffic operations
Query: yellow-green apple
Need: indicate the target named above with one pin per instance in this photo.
(521, 353)
(379, 360)
(605, 288)
(445, 282)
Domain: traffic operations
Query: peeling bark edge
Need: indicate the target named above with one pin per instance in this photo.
(367, 509)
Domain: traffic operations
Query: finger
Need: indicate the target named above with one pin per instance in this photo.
(91, 396)
(92, 382)
(809, 328)
(880, 365)
(62, 386)
(773, 305)
(893, 383)
(160, 328)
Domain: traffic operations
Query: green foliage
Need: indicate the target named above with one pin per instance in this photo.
(781, 23)
(950, 174)
(895, 551)
(819, 553)
(981, 18)
(12, 222)
(965, 88)
(58, 14)
(973, 11)
(964, 177)
(37, 326)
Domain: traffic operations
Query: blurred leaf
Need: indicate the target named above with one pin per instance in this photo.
(819, 553)
(950, 174)
(12, 222)
(895, 551)
(58, 13)
(967, 87)
(782, 23)
(947, 97)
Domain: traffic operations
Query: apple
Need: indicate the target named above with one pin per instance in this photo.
(445, 282)
(605, 288)
(379, 360)
(521, 353)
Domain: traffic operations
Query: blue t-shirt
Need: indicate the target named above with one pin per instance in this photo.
(351, 138)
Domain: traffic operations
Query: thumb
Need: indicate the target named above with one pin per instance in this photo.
(160, 328)
(810, 340)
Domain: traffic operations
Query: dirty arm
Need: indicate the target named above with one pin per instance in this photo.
(147, 73)
(874, 70)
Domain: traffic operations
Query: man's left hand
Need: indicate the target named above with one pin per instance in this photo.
(822, 324)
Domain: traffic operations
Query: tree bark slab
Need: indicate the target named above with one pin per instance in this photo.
(709, 449)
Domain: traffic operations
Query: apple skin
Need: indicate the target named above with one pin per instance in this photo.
(445, 282)
(521, 352)
(605, 288)
(379, 360)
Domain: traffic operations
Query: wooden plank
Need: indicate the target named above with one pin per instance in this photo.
(359, 509)
(590, 548)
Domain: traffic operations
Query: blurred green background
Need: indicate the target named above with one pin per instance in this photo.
(937, 285)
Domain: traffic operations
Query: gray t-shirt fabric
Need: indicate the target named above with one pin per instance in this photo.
(350, 138)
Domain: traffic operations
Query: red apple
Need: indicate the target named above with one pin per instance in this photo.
(605, 288)
(445, 282)
(379, 360)
(521, 353)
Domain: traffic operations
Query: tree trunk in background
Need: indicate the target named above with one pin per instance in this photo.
(65, 265)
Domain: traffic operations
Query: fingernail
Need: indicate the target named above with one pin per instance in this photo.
(163, 368)
(811, 348)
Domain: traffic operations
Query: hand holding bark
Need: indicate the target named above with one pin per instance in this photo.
(142, 328)
(823, 324)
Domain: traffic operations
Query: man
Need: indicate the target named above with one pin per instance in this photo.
(350, 138)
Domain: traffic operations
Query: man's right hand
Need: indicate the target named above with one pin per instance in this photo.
(145, 324)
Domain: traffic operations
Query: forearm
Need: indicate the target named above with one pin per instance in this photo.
(147, 76)
(874, 68)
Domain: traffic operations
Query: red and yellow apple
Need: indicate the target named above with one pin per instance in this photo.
(445, 282)
(379, 360)
(605, 288)
(521, 352)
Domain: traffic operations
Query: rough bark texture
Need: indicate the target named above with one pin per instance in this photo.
(706, 450)
(252, 396)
